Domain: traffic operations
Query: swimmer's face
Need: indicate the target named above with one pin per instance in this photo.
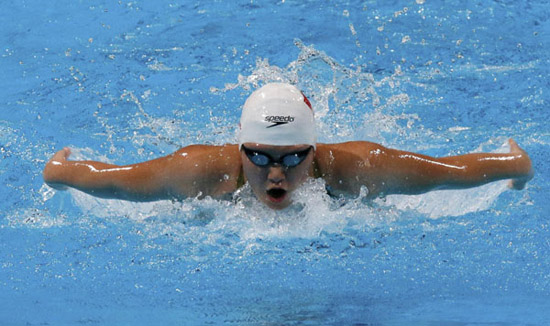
(272, 183)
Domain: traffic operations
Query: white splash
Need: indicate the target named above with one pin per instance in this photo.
(442, 203)
(341, 95)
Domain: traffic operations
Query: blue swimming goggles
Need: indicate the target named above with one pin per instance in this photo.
(262, 159)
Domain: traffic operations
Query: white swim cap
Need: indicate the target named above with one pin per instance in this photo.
(277, 114)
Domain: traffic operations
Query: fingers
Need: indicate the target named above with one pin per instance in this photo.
(514, 147)
(62, 155)
(67, 152)
(525, 166)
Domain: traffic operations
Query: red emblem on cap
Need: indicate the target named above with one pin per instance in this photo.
(306, 101)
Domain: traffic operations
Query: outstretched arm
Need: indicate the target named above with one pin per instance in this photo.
(191, 171)
(390, 171)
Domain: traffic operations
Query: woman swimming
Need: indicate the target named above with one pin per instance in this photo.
(278, 152)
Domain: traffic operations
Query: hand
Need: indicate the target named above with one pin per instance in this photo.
(524, 165)
(61, 156)
(53, 168)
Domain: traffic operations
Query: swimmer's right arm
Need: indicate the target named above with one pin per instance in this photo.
(196, 170)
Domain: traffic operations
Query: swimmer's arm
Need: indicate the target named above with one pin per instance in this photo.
(410, 173)
(388, 171)
(192, 171)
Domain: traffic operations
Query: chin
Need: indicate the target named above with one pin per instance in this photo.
(277, 204)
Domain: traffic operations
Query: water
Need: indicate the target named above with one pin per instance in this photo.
(126, 82)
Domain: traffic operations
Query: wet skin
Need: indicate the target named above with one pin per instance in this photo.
(205, 170)
(274, 184)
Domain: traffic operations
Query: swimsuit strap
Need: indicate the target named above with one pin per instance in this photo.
(317, 174)
(240, 179)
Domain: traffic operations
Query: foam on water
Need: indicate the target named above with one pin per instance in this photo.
(129, 82)
(347, 107)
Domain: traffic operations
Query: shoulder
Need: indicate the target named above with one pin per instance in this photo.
(208, 156)
(209, 159)
(208, 169)
(347, 166)
(348, 152)
(226, 149)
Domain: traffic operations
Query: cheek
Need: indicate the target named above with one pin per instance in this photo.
(299, 175)
(254, 175)
(256, 182)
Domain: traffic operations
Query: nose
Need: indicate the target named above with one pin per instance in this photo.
(276, 174)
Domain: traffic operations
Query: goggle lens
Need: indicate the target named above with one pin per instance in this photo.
(263, 160)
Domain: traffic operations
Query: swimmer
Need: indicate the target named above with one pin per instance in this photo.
(277, 152)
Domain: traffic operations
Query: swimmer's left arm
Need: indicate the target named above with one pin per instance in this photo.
(388, 171)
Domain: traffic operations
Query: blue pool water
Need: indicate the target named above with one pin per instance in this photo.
(128, 81)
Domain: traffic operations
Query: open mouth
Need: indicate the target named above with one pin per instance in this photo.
(276, 194)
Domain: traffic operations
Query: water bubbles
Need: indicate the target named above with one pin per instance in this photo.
(337, 92)
(350, 103)
(47, 192)
(352, 29)
(437, 204)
